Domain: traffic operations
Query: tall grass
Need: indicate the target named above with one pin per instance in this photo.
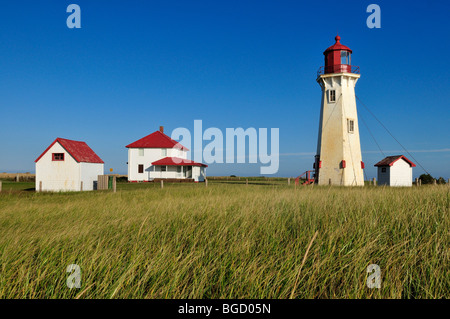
(227, 241)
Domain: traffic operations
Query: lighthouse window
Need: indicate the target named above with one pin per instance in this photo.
(332, 96)
(351, 126)
(345, 57)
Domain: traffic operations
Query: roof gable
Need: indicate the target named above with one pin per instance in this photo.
(156, 140)
(80, 151)
(390, 160)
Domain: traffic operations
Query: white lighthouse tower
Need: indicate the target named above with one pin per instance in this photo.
(338, 160)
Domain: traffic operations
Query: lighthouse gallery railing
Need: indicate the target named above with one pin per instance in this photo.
(339, 68)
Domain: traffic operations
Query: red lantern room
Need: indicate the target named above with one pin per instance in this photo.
(338, 59)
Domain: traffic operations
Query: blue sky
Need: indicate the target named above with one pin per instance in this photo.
(136, 65)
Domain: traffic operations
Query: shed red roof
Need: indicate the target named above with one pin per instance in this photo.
(157, 140)
(390, 160)
(176, 161)
(80, 151)
(337, 46)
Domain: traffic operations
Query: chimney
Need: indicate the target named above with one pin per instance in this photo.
(161, 129)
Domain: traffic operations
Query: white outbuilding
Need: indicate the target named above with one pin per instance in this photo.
(395, 171)
(68, 165)
(157, 156)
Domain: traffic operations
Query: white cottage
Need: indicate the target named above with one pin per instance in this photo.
(157, 156)
(395, 171)
(68, 165)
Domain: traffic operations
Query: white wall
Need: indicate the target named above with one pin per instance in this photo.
(401, 174)
(198, 173)
(89, 174)
(57, 175)
(150, 155)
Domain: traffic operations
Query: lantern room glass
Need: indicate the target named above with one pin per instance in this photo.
(345, 57)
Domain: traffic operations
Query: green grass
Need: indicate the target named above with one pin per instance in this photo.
(227, 240)
(9, 186)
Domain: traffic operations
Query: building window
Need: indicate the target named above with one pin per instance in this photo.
(351, 125)
(163, 168)
(332, 95)
(345, 57)
(58, 157)
(383, 170)
(163, 152)
(141, 152)
(178, 169)
(140, 168)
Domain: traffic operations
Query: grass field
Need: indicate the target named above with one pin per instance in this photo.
(227, 240)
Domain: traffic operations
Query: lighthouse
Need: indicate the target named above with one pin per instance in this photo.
(338, 159)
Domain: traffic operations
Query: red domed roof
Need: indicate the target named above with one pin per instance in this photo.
(337, 46)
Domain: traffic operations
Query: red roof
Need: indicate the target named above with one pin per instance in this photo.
(337, 46)
(390, 160)
(80, 151)
(176, 161)
(156, 140)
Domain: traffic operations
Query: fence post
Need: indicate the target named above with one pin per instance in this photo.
(40, 186)
(162, 184)
(81, 187)
(289, 181)
(17, 178)
(0, 186)
(420, 182)
(374, 182)
(434, 182)
(329, 181)
(206, 182)
(114, 184)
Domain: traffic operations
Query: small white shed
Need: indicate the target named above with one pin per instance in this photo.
(395, 171)
(68, 165)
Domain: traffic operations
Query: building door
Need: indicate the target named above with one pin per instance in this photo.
(189, 172)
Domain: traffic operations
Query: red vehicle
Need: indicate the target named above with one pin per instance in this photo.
(307, 176)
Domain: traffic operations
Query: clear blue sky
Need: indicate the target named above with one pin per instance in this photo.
(135, 65)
